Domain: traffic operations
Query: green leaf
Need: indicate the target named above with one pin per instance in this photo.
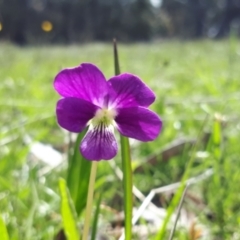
(3, 230)
(126, 167)
(78, 176)
(68, 213)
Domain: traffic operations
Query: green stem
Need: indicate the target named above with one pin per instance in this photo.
(89, 200)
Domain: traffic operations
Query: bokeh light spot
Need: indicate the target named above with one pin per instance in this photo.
(1, 26)
(47, 26)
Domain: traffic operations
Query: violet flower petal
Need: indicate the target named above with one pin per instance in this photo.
(73, 114)
(85, 81)
(139, 123)
(99, 143)
(127, 90)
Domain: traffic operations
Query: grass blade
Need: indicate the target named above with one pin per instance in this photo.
(115, 55)
(78, 176)
(126, 167)
(68, 213)
(178, 213)
(176, 199)
(95, 220)
(88, 212)
(3, 230)
(127, 186)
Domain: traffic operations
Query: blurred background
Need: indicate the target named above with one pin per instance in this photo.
(69, 21)
(187, 51)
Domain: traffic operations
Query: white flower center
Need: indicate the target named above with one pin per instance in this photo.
(104, 116)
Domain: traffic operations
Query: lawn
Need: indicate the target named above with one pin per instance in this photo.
(197, 87)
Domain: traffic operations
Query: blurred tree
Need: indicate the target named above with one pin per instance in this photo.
(197, 12)
(175, 13)
(13, 14)
(137, 20)
(230, 12)
(76, 20)
(101, 20)
(107, 19)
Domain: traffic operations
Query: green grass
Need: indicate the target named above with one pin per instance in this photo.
(190, 79)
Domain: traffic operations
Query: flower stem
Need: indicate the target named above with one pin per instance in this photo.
(89, 200)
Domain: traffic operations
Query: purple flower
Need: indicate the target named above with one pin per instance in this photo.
(90, 100)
